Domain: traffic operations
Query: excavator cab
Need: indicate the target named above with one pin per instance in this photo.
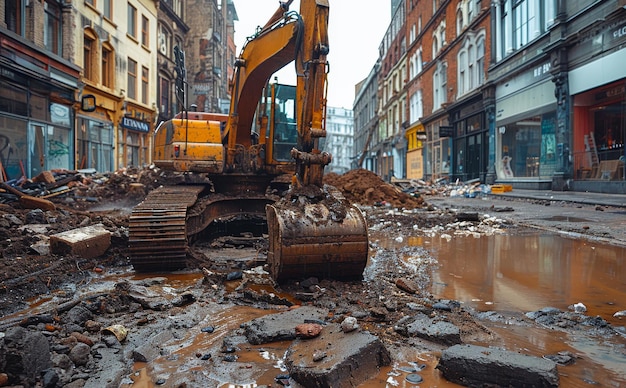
(283, 132)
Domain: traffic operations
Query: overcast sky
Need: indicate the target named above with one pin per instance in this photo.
(356, 28)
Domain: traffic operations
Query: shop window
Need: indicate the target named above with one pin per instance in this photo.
(38, 107)
(13, 100)
(521, 148)
(132, 79)
(132, 149)
(13, 146)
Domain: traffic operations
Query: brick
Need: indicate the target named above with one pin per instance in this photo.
(87, 242)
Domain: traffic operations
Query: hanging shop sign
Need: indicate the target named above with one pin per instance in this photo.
(135, 125)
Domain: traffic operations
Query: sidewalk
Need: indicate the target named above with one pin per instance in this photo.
(617, 200)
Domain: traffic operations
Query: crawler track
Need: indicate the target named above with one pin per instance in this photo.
(158, 228)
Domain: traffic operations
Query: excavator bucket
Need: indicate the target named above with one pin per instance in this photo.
(325, 238)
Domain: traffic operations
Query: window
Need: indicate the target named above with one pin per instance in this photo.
(132, 21)
(480, 60)
(144, 84)
(91, 2)
(520, 22)
(416, 108)
(440, 81)
(164, 97)
(52, 27)
(132, 79)
(145, 31)
(89, 55)
(107, 9)
(14, 13)
(108, 65)
(471, 63)
(165, 39)
(459, 21)
(176, 6)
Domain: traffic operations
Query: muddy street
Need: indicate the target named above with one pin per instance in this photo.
(450, 281)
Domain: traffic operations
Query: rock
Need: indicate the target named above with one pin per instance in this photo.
(350, 358)
(80, 354)
(407, 285)
(578, 307)
(430, 329)
(50, 378)
(620, 314)
(35, 216)
(308, 330)
(280, 326)
(25, 353)
(349, 324)
(477, 366)
(82, 338)
(79, 315)
(151, 347)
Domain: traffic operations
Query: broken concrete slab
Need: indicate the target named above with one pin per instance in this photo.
(151, 348)
(87, 242)
(336, 359)
(477, 366)
(280, 326)
(431, 329)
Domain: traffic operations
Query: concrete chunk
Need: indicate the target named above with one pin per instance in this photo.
(336, 359)
(280, 326)
(87, 242)
(477, 366)
(151, 348)
(429, 329)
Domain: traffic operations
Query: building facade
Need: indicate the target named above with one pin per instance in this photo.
(366, 122)
(38, 88)
(390, 148)
(171, 32)
(339, 141)
(207, 53)
(520, 92)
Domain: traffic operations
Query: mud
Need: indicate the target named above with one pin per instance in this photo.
(396, 284)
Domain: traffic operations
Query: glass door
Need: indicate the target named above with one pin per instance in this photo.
(37, 148)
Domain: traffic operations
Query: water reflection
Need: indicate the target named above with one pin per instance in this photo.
(529, 272)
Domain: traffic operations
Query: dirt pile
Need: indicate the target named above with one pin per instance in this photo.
(364, 187)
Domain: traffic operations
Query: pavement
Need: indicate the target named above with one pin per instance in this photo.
(588, 198)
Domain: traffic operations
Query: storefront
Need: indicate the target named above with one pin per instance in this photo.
(526, 149)
(599, 111)
(470, 141)
(438, 154)
(36, 110)
(600, 132)
(133, 142)
(415, 136)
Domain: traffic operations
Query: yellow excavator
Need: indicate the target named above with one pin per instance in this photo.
(261, 161)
